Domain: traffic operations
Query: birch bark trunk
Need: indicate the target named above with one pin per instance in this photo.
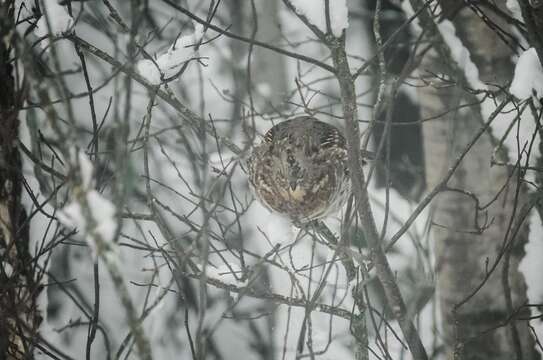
(469, 241)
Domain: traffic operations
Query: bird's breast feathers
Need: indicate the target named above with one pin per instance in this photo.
(300, 169)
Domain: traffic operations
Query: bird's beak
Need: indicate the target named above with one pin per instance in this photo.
(293, 183)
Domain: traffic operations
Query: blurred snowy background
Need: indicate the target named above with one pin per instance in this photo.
(146, 236)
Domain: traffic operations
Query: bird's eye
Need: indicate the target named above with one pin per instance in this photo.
(290, 159)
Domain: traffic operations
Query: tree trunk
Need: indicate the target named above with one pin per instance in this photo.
(269, 69)
(19, 316)
(468, 240)
(267, 81)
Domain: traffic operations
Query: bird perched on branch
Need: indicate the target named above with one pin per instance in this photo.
(300, 169)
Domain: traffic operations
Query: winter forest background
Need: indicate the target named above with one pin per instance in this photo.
(128, 230)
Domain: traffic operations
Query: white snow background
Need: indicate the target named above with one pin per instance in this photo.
(136, 267)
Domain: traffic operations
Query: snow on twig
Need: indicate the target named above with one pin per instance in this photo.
(514, 7)
(170, 63)
(461, 55)
(528, 78)
(89, 211)
(94, 216)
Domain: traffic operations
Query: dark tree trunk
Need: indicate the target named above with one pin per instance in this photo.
(19, 316)
(532, 12)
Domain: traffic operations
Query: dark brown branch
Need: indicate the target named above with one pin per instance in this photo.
(377, 254)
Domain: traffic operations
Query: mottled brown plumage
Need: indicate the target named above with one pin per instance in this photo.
(300, 169)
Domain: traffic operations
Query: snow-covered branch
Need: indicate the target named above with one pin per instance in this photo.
(168, 65)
